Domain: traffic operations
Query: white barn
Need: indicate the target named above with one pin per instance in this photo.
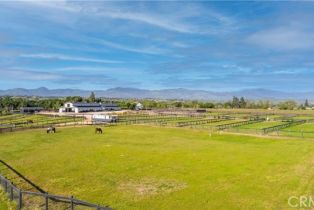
(78, 107)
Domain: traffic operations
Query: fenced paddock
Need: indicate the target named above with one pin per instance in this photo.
(198, 122)
(237, 124)
(233, 122)
(282, 126)
(155, 119)
(22, 122)
(177, 168)
(261, 125)
(58, 125)
(305, 130)
(278, 128)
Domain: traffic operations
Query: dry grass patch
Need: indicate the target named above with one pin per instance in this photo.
(149, 187)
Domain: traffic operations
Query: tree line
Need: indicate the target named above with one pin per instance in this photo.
(8, 103)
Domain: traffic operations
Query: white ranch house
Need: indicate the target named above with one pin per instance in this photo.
(139, 106)
(78, 107)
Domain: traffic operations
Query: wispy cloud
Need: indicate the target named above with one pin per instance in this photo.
(19, 74)
(74, 78)
(154, 20)
(283, 38)
(115, 13)
(146, 50)
(101, 69)
(195, 44)
(175, 18)
(68, 58)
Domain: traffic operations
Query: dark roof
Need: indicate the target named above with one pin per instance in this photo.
(79, 104)
(31, 108)
(109, 105)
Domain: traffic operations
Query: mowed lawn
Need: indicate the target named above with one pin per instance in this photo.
(142, 167)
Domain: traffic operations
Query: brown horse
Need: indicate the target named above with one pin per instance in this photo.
(51, 130)
(98, 130)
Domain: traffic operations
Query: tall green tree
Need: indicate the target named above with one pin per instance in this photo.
(242, 103)
(235, 102)
(92, 97)
(306, 103)
(287, 105)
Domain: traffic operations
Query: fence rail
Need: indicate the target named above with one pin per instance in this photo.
(198, 122)
(282, 126)
(59, 124)
(48, 201)
(236, 124)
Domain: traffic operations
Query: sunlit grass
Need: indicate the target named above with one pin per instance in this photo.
(142, 167)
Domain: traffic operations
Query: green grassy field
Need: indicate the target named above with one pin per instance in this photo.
(302, 130)
(307, 127)
(303, 117)
(5, 204)
(224, 122)
(261, 125)
(142, 167)
(22, 121)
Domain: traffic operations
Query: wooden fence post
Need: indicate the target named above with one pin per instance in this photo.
(72, 203)
(20, 204)
(46, 201)
(11, 192)
(5, 186)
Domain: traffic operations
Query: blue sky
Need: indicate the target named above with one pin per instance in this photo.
(217, 46)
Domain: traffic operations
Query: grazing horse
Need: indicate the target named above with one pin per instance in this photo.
(51, 130)
(98, 130)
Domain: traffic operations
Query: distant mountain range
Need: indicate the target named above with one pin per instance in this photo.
(180, 93)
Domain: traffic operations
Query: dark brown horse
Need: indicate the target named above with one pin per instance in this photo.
(98, 130)
(51, 130)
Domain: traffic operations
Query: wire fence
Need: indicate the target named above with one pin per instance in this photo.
(281, 133)
(57, 125)
(40, 199)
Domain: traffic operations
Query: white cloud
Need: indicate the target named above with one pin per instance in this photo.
(68, 58)
(146, 50)
(174, 19)
(283, 38)
(111, 70)
(29, 75)
(156, 20)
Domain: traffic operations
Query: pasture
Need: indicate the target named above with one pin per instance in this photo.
(144, 167)
(261, 125)
(304, 130)
(25, 121)
(5, 203)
